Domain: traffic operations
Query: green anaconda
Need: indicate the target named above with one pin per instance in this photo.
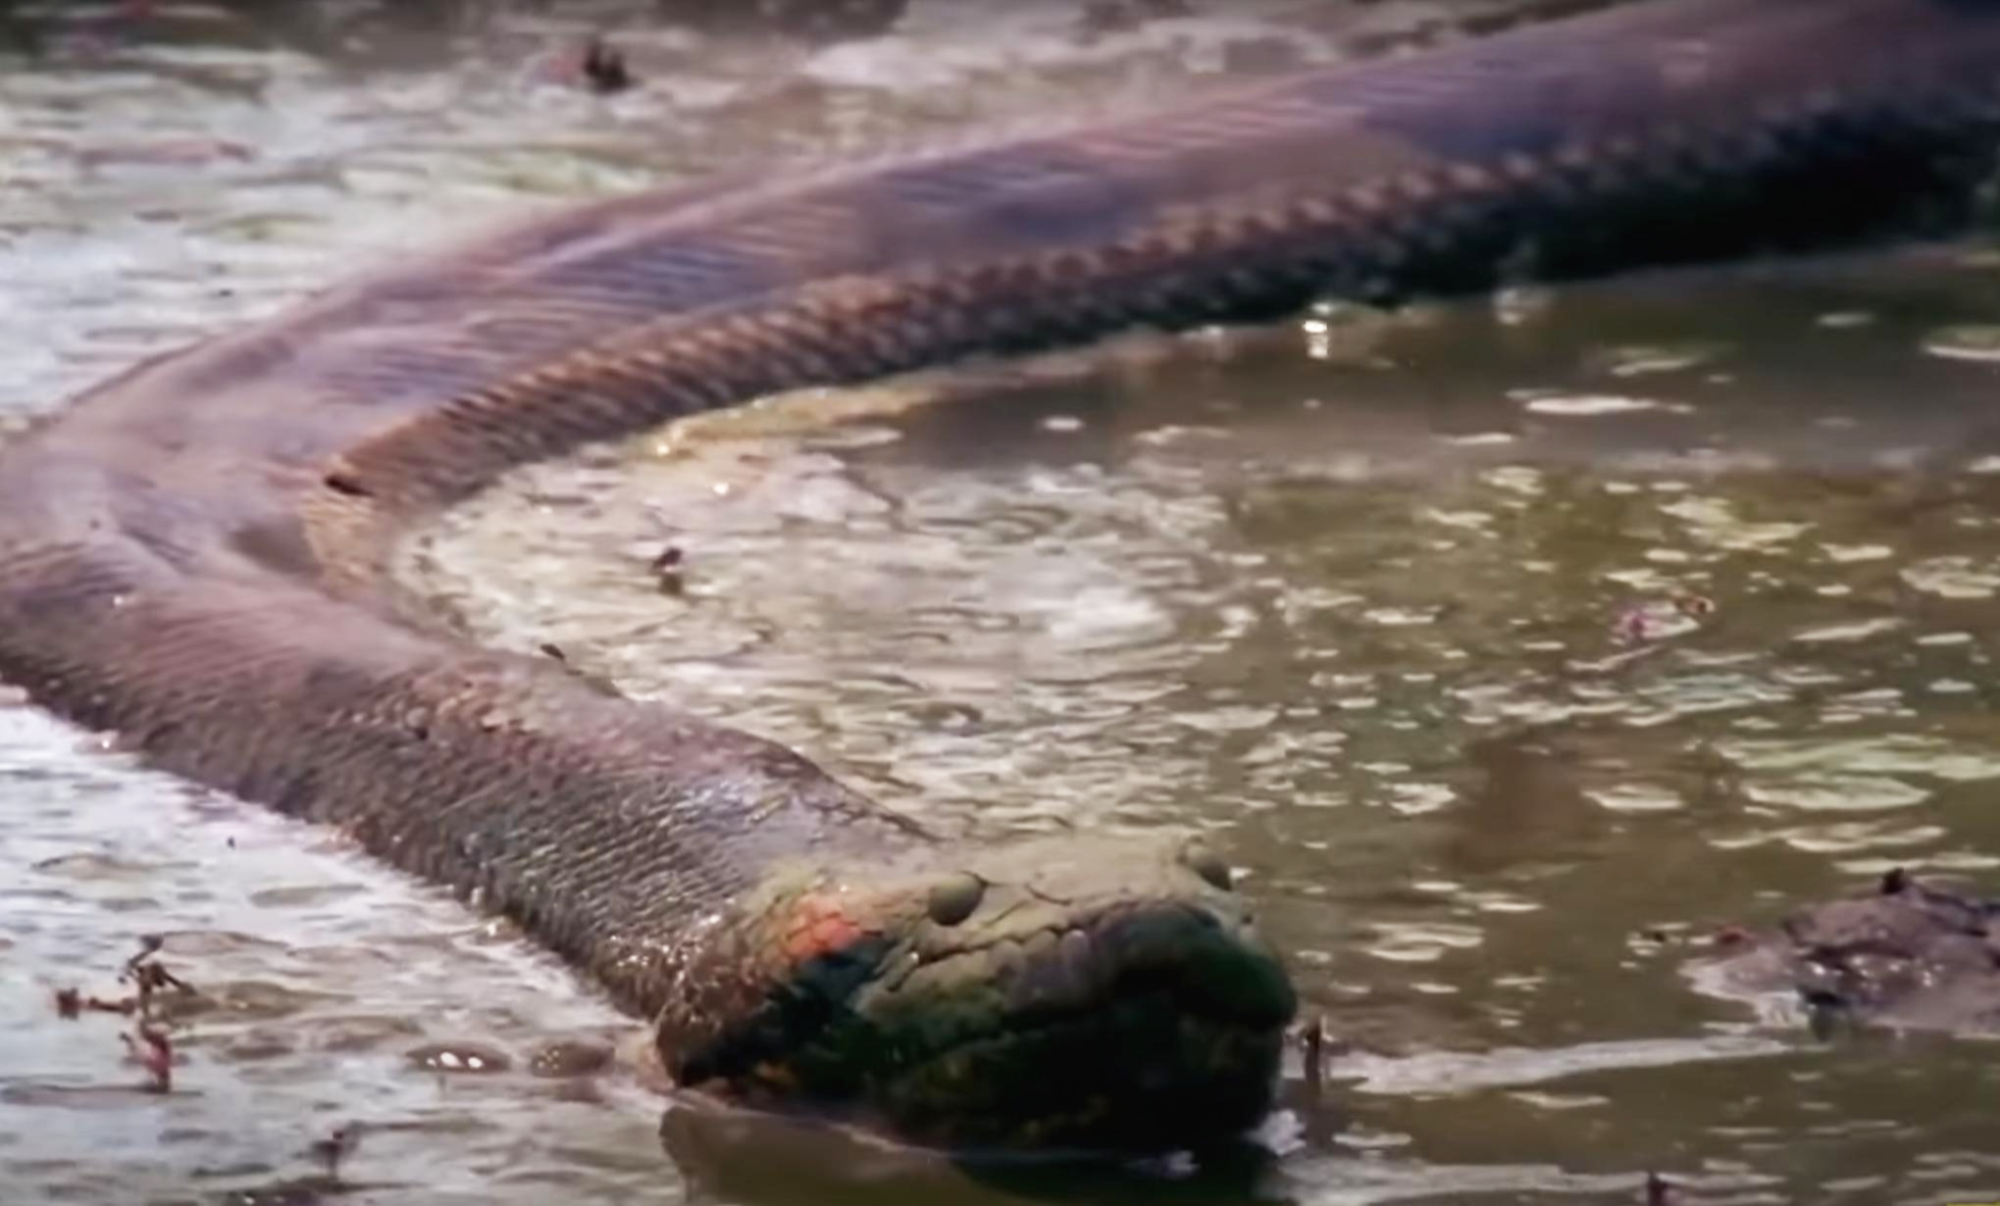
(194, 555)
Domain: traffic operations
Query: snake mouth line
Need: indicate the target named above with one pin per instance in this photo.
(1142, 1070)
(1141, 1011)
(1165, 1001)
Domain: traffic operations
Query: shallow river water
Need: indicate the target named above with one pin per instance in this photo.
(1509, 648)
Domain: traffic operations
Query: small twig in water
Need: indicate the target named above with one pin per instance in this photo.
(149, 945)
(155, 1053)
(149, 976)
(604, 69)
(1315, 1054)
(337, 1146)
(667, 570)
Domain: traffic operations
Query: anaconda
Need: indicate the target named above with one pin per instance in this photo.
(195, 554)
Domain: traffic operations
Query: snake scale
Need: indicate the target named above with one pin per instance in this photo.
(194, 555)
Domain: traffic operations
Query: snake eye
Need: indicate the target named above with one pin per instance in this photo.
(956, 898)
(1201, 860)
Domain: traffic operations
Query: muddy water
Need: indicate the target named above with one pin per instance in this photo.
(1509, 648)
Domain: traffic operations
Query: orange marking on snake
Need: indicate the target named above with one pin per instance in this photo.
(822, 926)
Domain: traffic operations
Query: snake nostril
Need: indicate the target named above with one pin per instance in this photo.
(956, 898)
(1206, 863)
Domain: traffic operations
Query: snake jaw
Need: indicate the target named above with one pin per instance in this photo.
(1097, 993)
(1148, 1024)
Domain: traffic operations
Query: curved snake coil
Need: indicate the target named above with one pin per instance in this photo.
(194, 554)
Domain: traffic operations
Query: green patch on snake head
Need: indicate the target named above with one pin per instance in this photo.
(1072, 992)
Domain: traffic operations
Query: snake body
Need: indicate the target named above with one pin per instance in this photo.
(194, 554)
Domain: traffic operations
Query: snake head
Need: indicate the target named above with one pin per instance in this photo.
(1076, 993)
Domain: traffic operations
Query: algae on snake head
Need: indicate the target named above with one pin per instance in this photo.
(985, 996)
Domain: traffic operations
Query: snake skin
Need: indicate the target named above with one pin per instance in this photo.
(194, 554)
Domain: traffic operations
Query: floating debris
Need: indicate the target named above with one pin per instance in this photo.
(603, 68)
(154, 1051)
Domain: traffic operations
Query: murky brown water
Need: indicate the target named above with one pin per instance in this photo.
(1506, 647)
